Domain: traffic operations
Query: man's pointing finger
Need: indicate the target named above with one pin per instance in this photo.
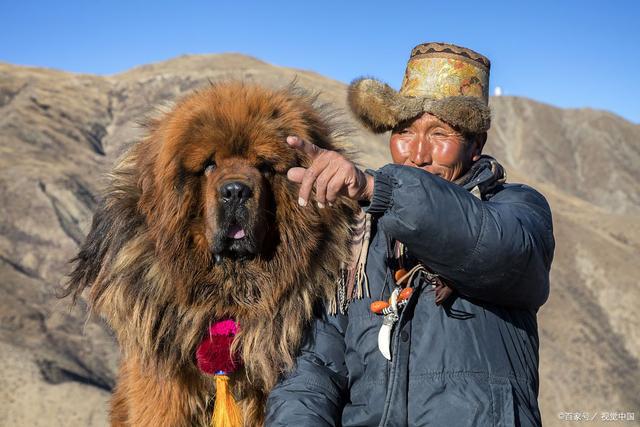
(308, 148)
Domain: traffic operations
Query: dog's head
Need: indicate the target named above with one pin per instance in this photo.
(214, 191)
(222, 154)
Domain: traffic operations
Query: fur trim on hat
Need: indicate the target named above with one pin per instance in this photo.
(380, 108)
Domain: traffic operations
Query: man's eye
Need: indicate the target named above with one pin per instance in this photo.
(441, 134)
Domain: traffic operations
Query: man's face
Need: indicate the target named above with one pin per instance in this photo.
(428, 143)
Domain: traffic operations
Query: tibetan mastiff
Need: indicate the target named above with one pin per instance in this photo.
(199, 223)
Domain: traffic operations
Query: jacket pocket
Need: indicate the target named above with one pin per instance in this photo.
(502, 403)
(460, 399)
(440, 402)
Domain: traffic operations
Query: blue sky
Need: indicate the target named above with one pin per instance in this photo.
(566, 53)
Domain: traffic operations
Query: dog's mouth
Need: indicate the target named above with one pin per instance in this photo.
(234, 242)
(239, 233)
(236, 232)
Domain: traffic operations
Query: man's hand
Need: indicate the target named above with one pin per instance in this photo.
(331, 174)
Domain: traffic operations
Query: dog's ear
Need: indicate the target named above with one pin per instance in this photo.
(168, 201)
(114, 223)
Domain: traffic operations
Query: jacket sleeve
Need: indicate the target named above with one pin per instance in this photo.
(314, 393)
(499, 251)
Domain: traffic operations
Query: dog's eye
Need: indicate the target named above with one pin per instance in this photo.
(209, 167)
(266, 168)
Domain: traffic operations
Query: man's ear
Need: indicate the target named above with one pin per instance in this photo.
(478, 144)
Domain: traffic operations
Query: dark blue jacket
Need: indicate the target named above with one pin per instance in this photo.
(471, 362)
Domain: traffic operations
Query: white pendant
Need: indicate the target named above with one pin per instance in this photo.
(384, 339)
(384, 336)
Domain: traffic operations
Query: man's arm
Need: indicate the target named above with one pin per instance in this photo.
(314, 393)
(498, 251)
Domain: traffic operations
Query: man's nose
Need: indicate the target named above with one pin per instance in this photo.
(421, 151)
(235, 192)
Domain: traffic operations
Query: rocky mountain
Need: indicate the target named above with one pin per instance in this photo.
(60, 132)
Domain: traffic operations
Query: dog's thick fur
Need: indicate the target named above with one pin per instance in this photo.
(150, 261)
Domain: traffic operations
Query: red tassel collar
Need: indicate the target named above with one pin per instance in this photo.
(214, 352)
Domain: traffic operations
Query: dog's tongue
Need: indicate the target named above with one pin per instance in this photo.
(235, 232)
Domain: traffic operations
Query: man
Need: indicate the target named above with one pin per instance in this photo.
(461, 348)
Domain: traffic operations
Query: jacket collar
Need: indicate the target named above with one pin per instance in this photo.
(483, 177)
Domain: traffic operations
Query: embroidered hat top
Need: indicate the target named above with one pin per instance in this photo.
(439, 70)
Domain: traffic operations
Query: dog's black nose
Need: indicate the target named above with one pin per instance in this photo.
(235, 191)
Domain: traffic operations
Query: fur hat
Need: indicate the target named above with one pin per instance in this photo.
(448, 81)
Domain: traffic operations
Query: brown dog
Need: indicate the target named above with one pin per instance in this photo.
(200, 223)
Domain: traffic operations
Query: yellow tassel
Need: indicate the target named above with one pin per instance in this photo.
(226, 412)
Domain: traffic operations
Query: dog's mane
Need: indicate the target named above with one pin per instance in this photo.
(143, 274)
